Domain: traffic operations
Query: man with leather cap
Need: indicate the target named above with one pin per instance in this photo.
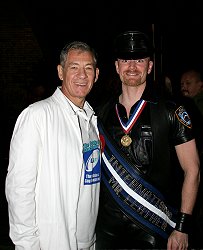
(140, 205)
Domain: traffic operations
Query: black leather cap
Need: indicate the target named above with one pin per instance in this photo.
(132, 45)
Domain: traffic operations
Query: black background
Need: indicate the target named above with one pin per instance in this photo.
(178, 28)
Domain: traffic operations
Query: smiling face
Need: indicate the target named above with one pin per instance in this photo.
(133, 72)
(78, 75)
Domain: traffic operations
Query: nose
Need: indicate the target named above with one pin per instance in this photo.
(82, 73)
(132, 64)
(182, 85)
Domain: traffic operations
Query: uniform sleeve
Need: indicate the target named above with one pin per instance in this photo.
(24, 159)
(181, 125)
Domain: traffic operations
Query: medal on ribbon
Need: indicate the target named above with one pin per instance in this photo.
(126, 140)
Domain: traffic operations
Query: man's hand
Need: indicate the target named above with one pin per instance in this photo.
(177, 241)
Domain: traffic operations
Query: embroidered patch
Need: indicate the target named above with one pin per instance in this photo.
(183, 117)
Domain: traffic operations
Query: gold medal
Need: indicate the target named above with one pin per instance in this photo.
(126, 140)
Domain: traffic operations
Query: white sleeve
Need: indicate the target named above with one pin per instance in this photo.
(24, 158)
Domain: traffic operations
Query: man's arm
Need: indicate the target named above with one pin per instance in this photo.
(21, 182)
(189, 161)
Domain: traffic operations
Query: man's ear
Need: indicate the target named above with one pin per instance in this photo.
(60, 72)
(116, 65)
(96, 74)
(150, 67)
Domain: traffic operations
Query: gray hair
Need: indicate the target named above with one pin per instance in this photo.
(77, 45)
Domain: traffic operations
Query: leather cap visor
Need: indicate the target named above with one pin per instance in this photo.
(132, 45)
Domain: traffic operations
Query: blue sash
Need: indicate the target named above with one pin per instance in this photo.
(136, 197)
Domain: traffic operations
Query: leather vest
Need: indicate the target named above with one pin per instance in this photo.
(154, 136)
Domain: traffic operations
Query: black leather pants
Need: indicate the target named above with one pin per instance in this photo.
(115, 230)
(106, 241)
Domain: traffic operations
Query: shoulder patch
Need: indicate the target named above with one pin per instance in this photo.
(183, 117)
